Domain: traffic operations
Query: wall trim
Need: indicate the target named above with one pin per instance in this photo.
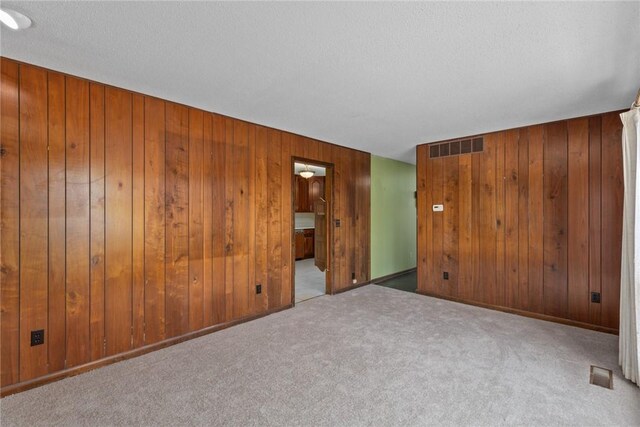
(524, 313)
(393, 275)
(76, 370)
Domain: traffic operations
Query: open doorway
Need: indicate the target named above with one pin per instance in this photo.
(312, 190)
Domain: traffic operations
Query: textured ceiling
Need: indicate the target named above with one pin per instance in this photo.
(381, 77)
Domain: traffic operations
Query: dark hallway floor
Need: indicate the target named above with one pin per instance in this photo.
(407, 282)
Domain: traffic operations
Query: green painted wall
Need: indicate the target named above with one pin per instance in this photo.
(393, 216)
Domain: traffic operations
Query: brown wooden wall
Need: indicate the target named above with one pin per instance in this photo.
(128, 220)
(532, 223)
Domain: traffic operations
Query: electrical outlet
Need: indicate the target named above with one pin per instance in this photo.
(37, 337)
(445, 275)
(337, 223)
(595, 297)
(258, 289)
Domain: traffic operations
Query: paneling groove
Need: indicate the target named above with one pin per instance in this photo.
(157, 220)
(58, 183)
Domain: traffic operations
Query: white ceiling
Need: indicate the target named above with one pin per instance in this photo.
(381, 77)
(317, 170)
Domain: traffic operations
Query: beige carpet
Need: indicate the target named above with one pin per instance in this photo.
(371, 356)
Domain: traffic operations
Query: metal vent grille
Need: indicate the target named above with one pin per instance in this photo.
(601, 376)
(455, 148)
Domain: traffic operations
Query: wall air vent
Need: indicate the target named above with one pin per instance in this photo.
(455, 148)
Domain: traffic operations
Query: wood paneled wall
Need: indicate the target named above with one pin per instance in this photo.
(533, 223)
(128, 220)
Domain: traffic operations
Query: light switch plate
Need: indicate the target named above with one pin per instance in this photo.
(438, 208)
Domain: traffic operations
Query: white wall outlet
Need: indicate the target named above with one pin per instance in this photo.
(438, 208)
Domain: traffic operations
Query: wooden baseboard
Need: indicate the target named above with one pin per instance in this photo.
(393, 275)
(70, 372)
(524, 313)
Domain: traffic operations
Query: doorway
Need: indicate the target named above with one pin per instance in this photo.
(312, 193)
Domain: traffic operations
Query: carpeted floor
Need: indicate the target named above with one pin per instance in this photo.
(371, 356)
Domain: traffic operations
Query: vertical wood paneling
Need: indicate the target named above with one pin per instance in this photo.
(450, 222)
(350, 203)
(138, 225)
(524, 218)
(313, 149)
(325, 150)
(78, 213)
(207, 219)
(578, 218)
(536, 224)
(511, 219)
(57, 331)
(477, 285)
(97, 209)
(353, 229)
(500, 219)
(118, 230)
(595, 208)
(437, 178)
(251, 259)
(555, 219)
(365, 214)
(261, 217)
(143, 219)
(229, 191)
(177, 220)
(487, 220)
(9, 223)
(430, 273)
(342, 275)
(240, 219)
(274, 207)
(286, 212)
(338, 240)
(612, 200)
(465, 270)
(154, 220)
(539, 220)
(196, 218)
(362, 230)
(34, 236)
(219, 209)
